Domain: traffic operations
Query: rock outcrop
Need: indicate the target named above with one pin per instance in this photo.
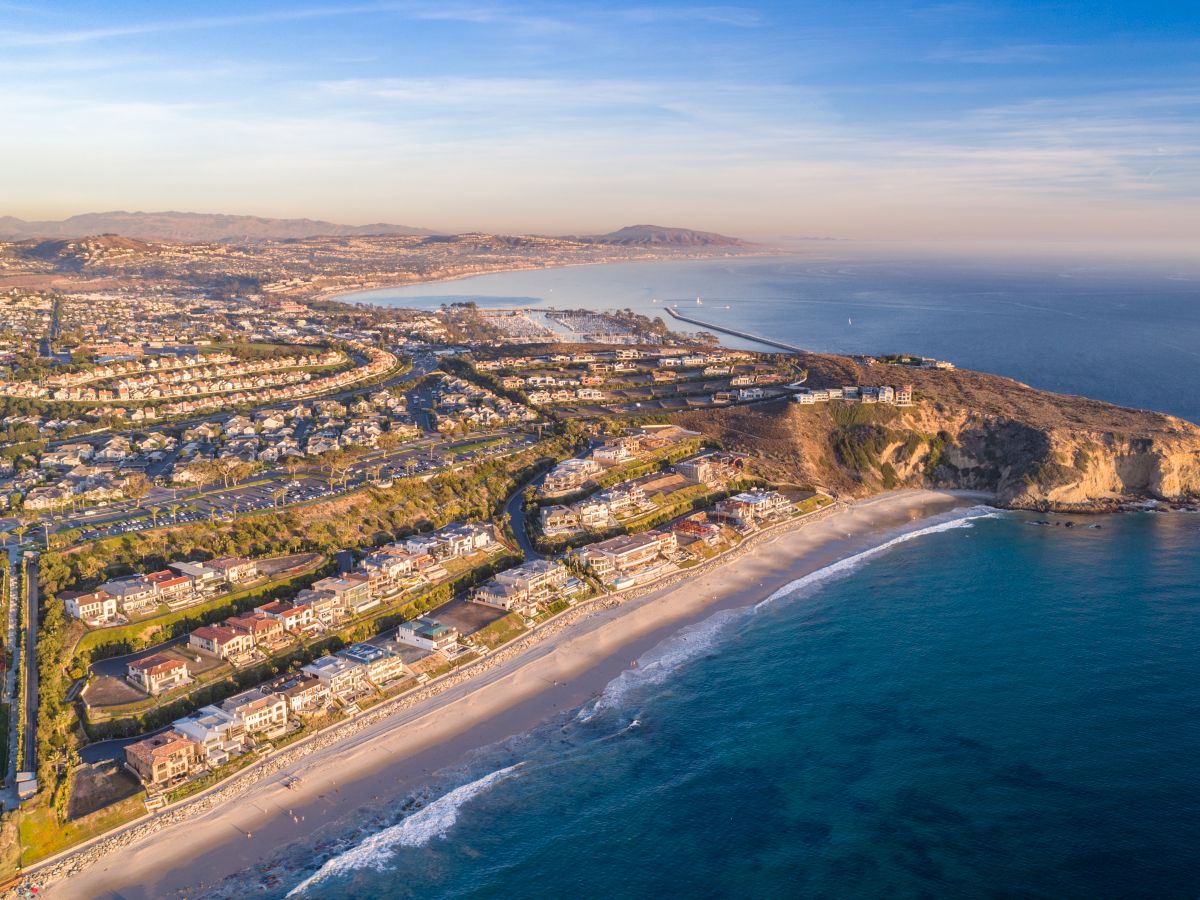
(1031, 448)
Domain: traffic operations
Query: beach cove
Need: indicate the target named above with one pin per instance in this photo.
(392, 751)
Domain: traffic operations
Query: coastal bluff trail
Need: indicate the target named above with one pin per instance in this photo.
(578, 652)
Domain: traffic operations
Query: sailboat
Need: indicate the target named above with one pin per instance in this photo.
(699, 302)
(849, 321)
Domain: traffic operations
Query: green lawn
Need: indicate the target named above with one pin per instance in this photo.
(476, 445)
(500, 632)
(43, 835)
(3, 739)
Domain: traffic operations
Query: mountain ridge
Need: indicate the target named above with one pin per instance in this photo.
(189, 227)
(662, 236)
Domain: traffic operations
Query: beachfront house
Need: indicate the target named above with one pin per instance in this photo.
(217, 734)
(344, 677)
(630, 555)
(428, 634)
(382, 666)
(506, 596)
(751, 508)
(305, 694)
(162, 758)
(259, 711)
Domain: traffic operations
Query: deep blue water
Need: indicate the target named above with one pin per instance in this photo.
(994, 709)
(1122, 330)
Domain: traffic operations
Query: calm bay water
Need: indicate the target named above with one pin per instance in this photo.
(1126, 331)
(990, 709)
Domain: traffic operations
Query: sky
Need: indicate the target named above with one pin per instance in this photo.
(914, 120)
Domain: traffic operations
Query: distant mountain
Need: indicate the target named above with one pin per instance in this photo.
(180, 226)
(660, 236)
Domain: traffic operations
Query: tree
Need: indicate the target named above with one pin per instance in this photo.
(136, 487)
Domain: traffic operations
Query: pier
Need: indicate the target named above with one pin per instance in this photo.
(744, 335)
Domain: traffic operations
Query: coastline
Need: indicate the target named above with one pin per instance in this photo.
(513, 690)
(340, 294)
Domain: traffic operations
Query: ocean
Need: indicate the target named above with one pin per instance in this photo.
(988, 708)
(1125, 330)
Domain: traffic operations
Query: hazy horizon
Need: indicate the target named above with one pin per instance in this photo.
(871, 121)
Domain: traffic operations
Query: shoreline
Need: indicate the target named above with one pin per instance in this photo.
(241, 823)
(339, 295)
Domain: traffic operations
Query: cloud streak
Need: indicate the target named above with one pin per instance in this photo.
(545, 117)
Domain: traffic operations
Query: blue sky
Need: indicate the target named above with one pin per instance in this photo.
(856, 119)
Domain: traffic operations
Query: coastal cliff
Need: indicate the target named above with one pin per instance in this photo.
(1033, 449)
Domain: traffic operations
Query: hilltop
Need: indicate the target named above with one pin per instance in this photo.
(185, 226)
(661, 236)
(1033, 449)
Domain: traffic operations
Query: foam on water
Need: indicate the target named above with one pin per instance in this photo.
(960, 519)
(416, 830)
(656, 666)
(693, 641)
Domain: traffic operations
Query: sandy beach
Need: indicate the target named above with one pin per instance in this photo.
(396, 755)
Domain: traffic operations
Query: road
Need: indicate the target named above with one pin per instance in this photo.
(426, 456)
(514, 508)
(31, 669)
(114, 666)
(12, 629)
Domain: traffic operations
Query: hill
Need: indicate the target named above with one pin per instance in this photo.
(74, 255)
(188, 227)
(661, 236)
(1033, 449)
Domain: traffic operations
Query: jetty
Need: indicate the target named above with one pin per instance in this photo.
(744, 335)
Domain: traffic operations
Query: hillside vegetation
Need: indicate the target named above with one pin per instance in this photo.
(1031, 448)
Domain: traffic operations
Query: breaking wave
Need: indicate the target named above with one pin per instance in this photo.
(656, 666)
(416, 830)
(693, 641)
(961, 519)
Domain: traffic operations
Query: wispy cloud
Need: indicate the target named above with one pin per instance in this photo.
(1010, 54)
(448, 12)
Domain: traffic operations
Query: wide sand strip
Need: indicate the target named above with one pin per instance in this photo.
(396, 756)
